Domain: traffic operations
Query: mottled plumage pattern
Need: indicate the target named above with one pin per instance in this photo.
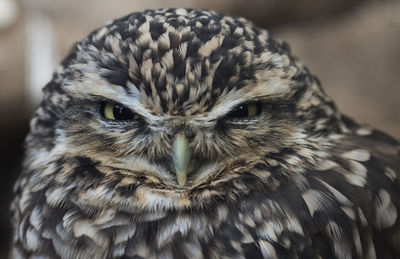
(298, 180)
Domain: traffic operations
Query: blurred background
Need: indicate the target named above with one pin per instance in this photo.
(353, 46)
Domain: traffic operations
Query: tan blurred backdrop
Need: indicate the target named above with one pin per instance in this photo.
(353, 46)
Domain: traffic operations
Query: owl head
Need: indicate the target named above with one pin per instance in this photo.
(175, 108)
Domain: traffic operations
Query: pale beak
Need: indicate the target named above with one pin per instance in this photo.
(181, 155)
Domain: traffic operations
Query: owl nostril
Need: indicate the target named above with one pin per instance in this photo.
(189, 133)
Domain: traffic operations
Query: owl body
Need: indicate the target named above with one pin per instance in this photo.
(181, 133)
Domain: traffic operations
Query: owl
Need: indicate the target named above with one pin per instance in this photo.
(182, 133)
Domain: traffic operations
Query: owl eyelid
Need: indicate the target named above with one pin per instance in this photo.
(108, 111)
(244, 112)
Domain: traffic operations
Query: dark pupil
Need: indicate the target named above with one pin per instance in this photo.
(121, 113)
(240, 111)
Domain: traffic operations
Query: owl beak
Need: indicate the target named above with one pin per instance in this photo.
(181, 156)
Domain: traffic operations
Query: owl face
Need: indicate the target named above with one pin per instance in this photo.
(170, 108)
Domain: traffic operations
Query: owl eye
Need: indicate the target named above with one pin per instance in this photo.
(117, 112)
(245, 110)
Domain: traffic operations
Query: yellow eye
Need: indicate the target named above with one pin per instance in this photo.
(117, 112)
(252, 110)
(245, 110)
(109, 111)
